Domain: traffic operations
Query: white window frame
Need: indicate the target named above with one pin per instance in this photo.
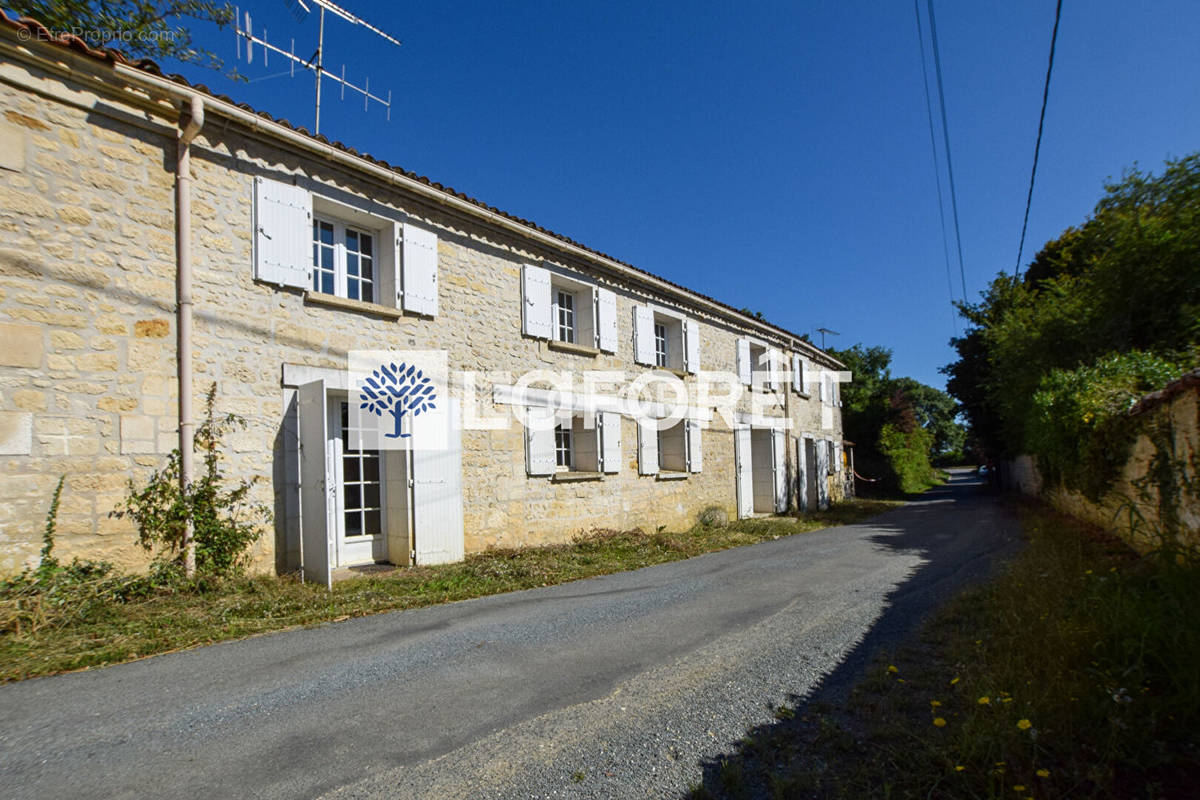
(565, 319)
(760, 374)
(341, 276)
(662, 345)
(673, 344)
(564, 446)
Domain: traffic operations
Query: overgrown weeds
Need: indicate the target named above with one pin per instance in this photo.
(1071, 675)
(104, 618)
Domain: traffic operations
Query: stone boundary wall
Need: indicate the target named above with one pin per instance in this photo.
(1136, 508)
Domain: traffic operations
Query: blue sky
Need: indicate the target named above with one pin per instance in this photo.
(773, 155)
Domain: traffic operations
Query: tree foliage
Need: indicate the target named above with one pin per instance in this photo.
(898, 425)
(1126, 281)
(138, 28)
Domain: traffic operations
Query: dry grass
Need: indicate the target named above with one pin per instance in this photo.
(101, 621)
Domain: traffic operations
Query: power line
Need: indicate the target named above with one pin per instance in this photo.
(1038, 146)
(937, 63)
(937, 173)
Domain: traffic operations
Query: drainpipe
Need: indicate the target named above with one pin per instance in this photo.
(183, 284)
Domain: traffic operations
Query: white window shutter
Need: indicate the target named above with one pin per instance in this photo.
(606, 319)
(744, 367)
(539, 448)
(797, 374)
(397, 234)
(610, 441)
(773, 368)
(282, 234)
(779, 470)
(537, 314)
(695, 450)
(744, 471)
(317, 515)
(691, 345)
(643, 337)
(420, 270)
(821, 386)
(647, 447)
(437, 490)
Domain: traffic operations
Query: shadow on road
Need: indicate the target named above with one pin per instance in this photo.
(960, 531)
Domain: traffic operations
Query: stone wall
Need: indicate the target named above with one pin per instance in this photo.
(1166, 451)
(87, 370)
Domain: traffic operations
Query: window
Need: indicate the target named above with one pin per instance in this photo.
(343, 260)
(360, 486)
(660, 345)
(760, 366)
(672, 448)
(564, 316)
(562, 446)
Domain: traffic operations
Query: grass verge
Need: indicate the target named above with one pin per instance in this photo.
(1073, 674)
(91, 624)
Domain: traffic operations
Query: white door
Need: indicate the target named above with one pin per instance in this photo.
(801, 475)
(359, 494)
(744, 472)
(822, 470)
(779, 470)
(316, 484)
(437, 492)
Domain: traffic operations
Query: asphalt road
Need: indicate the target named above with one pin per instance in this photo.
(613, 686)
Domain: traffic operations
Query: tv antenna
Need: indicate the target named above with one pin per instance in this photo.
(824, 331)
(300, 10)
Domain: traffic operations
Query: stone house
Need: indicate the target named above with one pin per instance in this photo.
(301, 252)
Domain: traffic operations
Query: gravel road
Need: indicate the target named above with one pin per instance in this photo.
(618, 686)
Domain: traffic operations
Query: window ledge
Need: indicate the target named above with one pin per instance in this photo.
(672, 476)
(803, 395)
(571, 347)
(575, 476)
(333, 301)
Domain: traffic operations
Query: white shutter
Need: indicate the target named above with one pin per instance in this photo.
(647, 447)
(437, 492)
(610, 441)
(691, 345)
(535, 290)
(282, 234)
(797, 374)
(694, 448)
(801, 474)
(821, 391)
(822, 475)
(744, 367)
(643, 335)
(539, 447)
(606, 319)
(317, 485)
(397, 234)
(420, 270)
(773, 357)
(745, 475)
(779, 470)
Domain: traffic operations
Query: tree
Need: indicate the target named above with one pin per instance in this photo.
(138, 28)
(397, 390)
(1126, 280)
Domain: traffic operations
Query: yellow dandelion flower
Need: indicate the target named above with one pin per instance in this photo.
(1001, 763)
(1043, 773)
(892, 668)
(1024, 724)
(985, 700)
(954, 681)
(934, 703)
(1005, 699)
(959, 768)
(939, 722)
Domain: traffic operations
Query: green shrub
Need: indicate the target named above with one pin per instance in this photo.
(1079, 429)
(907, 457)
(226, 522)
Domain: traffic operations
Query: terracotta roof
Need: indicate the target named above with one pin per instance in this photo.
(36, 31)
(1189, 380)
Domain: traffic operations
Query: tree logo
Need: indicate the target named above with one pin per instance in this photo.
(397, 390)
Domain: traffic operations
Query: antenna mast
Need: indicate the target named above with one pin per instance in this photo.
(300, 9)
